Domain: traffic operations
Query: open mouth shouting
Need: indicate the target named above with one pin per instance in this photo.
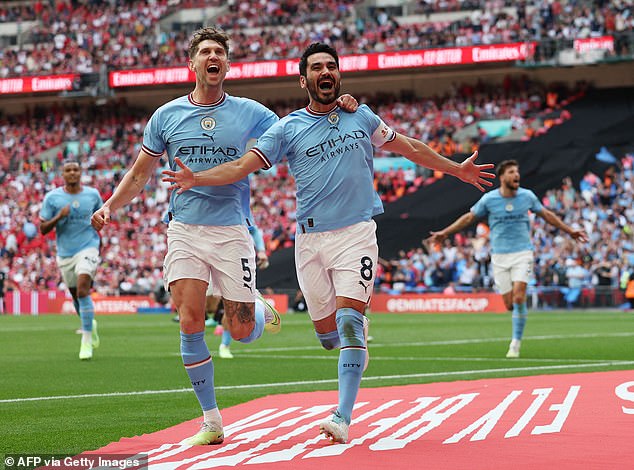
(213, 69)
(326, 84)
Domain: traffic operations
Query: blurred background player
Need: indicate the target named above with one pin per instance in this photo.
(507, 209)
(68, 210)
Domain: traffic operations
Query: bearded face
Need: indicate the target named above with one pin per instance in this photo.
(323, 79)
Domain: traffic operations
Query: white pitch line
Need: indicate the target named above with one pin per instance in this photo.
(450, 342)
(326, 381)
(417, 358)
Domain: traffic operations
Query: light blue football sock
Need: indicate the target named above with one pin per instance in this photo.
(519, 316)
(86, 312)
(351, 359)
(258, 329)
(226, 338)
(329, 340)
(200, 368)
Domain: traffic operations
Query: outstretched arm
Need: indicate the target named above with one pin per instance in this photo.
(554, 220)
(129, 187)
(226, 173)
(421, 154)
(460, 223)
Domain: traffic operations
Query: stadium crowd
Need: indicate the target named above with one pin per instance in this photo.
(106, 138)
(69, 36)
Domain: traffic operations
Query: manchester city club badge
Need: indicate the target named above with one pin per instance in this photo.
(207, 123)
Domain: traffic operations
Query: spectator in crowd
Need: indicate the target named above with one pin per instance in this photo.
(629, 289)
(606, 272)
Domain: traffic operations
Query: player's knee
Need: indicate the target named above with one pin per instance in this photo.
(350, 327)
(330, 340)
(189, 326)
(241, 330)
(83, 291)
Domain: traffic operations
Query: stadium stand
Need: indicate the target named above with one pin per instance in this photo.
(106, 138)
(54, 38)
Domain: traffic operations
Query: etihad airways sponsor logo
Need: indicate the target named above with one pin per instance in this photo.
(207, 150)
(337, 145)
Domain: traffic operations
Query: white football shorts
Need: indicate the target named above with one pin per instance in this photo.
(511, 267)
(222, 254)
(84, 262)
(336, 263)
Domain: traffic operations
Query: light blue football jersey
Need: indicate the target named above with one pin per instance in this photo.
(508, 219)
(330, 155)
(204, 136)
(74, 232)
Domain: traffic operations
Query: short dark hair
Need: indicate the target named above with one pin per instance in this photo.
(71, 161)
(213, 34)
(504, 165)
(315, 48)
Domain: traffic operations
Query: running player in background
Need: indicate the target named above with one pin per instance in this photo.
(512, 251)
(67, 210)
(330, 155)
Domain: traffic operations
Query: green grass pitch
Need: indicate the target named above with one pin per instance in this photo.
(136, 384)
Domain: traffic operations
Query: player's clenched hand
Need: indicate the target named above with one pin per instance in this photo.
(100, 218)
(64, 211)
(348, 103)
(475, 174)
(183, 179)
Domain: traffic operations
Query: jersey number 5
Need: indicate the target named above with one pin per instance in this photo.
(248, 277)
